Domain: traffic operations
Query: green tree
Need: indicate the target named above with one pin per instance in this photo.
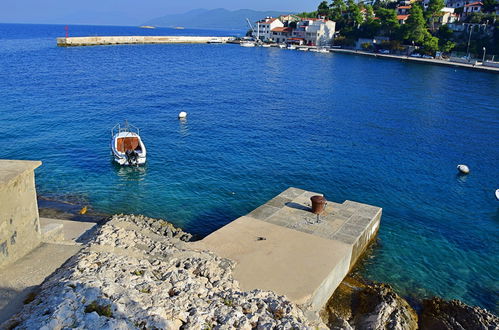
(354, 15)
(415, 26)
(388, 21)
(433, 11)
(429, 44)
(489, 5)
(323, 9)
(445, 39)
(369, 13)
(338, 7)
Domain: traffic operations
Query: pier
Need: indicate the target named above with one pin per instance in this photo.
(283, 247)
(130, 40)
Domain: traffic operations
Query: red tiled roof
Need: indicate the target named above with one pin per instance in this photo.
(404, 7)
(474, 4)
(403, 17)
(282, 29)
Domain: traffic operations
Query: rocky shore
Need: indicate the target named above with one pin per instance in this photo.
(376, 306)
(141, 273)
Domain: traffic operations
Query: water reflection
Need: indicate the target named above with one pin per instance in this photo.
(131, 173)
(461, 177)
(183, 128)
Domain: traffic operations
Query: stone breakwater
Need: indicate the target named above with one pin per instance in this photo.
(127, 40)
(139, 273)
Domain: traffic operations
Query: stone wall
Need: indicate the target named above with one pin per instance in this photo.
(19, 221)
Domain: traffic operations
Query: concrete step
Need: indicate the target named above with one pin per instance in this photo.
(52, 232)
(66, 231)
(19, 279)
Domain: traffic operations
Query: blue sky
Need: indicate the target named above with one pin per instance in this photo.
(126, 11)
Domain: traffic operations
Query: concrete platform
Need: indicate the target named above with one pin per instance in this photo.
(61, 240)
(281, 246)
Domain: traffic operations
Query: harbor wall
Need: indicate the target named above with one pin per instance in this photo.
(124, 40)
(19, 220)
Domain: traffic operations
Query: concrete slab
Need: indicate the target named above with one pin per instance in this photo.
(17, 280)
(71, 230)
(20, 278)
(276, 258)
(283, 247)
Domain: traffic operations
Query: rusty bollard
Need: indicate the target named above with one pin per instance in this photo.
(318, 204)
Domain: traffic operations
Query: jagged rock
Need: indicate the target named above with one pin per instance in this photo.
(454, 314)
(361, 306)
(135, 274)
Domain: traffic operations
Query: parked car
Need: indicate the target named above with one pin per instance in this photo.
(428, 56)
(415, 55)
(384, 51)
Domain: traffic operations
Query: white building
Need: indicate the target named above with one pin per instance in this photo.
(263, 29)
(314, 31)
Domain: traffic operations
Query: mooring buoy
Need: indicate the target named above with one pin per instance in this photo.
(463, 169)
(182, 114)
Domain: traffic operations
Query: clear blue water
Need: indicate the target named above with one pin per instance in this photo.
(260, 120)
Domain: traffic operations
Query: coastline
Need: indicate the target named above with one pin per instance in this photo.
(67, 209)
(417, 60)
(141, 272)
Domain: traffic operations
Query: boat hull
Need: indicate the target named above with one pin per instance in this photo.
(128, 141)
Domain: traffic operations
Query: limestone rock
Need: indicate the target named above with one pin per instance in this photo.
(356, 305)
(454, 314)
(139, 273)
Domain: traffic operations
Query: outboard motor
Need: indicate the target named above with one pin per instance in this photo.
(132, 157)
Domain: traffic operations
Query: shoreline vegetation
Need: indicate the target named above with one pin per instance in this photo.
(357, 303)
(409, 26)
(417, 60)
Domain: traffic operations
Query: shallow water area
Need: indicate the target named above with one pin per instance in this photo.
(377, 131)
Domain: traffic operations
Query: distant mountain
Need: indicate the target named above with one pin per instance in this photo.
(213, 19)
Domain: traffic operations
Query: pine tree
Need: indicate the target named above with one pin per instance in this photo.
(433, 11)
(415, 26)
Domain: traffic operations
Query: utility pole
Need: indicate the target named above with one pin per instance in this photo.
(469, 39)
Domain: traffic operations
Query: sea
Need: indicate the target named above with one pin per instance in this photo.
(383, 132)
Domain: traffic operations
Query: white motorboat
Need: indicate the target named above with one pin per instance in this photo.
(314, 50)
(282, 46)
(497, 194)
(266, 45)
(247, 44)
(303, 49)
(127, 146)
(291, 47)
(323, 50)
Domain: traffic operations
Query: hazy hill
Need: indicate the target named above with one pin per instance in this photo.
(213, 19)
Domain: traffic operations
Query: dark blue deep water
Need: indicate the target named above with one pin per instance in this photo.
(260, 120)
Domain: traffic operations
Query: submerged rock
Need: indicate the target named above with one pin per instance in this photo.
(439, 314)
(356, 305)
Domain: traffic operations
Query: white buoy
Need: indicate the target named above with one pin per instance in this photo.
(497, 194)
(183, 114)
(463, 169)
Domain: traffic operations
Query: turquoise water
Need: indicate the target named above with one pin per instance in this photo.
(382, 132)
